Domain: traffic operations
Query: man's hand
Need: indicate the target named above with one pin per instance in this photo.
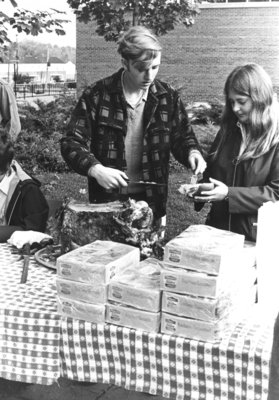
(108, 178)
(219, 192)
(196, 161)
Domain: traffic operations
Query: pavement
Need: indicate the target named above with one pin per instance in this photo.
(66, 389)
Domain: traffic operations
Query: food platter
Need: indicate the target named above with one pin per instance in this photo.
(48, 256)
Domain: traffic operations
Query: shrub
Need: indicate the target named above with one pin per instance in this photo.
(205, 113)
(37, 147)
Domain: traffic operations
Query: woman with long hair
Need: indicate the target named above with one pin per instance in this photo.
(243, 163)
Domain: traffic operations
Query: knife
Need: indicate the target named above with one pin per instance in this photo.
(146, 183)
(26, 259)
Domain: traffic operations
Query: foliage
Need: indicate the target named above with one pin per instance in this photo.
(22, 78)
(30, 49)
(205, 113)
(205, 134)
(113, 17)
(32, 23)
(37, 147)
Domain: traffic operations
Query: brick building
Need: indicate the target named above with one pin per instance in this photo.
(197, 60)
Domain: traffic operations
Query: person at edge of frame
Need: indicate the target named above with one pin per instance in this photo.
(125, 126)
(243, 163)
(244, 166)
(9, 117)
(23, 206)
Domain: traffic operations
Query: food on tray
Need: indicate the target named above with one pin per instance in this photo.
(193, 190)
(48, 255)
(125, 222)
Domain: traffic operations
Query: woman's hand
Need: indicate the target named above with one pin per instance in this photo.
(219, 192)
(108, 178)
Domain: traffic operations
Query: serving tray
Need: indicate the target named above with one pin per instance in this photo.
(48, 255)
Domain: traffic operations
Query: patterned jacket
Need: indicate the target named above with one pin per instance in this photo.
(97, 130)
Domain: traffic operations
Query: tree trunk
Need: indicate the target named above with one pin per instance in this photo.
(84, 223)
(136, 13)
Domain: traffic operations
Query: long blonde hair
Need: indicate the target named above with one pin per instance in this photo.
(262, 128)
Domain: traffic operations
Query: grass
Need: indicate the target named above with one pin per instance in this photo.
(180, 210)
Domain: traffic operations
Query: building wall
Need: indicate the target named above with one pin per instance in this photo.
(197, 60)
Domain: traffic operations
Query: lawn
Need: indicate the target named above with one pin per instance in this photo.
(180, 210)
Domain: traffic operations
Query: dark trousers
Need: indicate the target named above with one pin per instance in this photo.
(273, 389)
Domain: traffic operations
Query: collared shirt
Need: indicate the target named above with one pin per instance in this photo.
(4, 190)
(97, 130)
(134, 141)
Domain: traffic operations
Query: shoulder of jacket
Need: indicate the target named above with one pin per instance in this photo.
(166, 86)
(104, 84)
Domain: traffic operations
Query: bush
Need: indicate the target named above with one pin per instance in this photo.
(205, 113)
(37, 147)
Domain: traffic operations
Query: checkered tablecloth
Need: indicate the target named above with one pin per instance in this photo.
(33, 338)
(29, 325)
(235, 368)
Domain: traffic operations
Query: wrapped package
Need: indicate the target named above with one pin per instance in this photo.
(203, 308)
(94, 313)
(178, 280)
(132, 318)
(96, 263)
(203, 248)
(138, 287)
(192, 328)
(208, 331)
(96, 294)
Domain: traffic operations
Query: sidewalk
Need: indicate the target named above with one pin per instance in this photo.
(69, 390)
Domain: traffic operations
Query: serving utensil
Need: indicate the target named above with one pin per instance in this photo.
(146, 183)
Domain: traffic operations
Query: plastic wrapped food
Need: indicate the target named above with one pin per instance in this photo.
(138, 287)
(203, 248)
(132, 318)
(95, 294)
(97, 262)
(80, 310)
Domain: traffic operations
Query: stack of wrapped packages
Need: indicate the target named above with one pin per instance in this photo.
(208, 282)
(83, 276)
(135, 297)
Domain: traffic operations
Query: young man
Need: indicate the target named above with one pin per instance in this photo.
(22, 204)
(125, 126)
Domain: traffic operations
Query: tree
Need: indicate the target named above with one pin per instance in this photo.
(32, 23)
(115, 16)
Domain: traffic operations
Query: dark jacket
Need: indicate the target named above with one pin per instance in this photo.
(27, 207)
(98, 127)
(251, 183)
